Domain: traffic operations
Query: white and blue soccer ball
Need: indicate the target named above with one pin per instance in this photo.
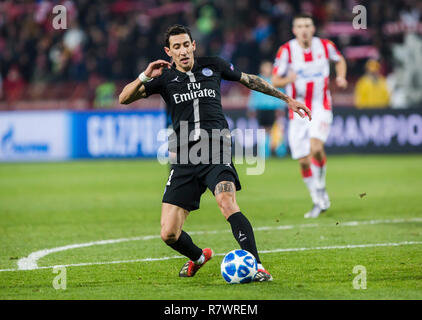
(239, 266)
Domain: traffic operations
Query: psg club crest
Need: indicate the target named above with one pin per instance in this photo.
(207, 72)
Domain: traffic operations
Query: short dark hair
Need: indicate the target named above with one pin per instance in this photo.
(303, 15)
(175, 30)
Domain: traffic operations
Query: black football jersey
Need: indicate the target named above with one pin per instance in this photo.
(194, 97)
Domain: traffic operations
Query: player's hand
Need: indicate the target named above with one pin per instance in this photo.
(155, 68)
(299, 108)
(341, 82)
(291, 76)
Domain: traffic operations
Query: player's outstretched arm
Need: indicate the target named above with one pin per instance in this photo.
(280, 82)
(256, 83)
(341, 69)
(136, 89)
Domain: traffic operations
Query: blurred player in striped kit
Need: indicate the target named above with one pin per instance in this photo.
(302, 65)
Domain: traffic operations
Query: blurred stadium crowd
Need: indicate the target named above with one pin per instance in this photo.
(107, 43)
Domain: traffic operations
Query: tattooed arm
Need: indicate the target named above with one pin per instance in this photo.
(256, 83)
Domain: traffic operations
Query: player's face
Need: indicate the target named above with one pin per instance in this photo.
(181, 51)
(303, 29)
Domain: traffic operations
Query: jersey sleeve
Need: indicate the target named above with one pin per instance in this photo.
(228, 71)
(282, 61)
(332, 51)
(154, 86)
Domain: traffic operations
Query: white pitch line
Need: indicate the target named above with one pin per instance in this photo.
(31, 261)
(350, 246)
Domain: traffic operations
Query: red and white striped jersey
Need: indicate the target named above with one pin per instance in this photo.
(312, 68)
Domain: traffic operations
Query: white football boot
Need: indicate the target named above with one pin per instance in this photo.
(324, 202)
(314, 213)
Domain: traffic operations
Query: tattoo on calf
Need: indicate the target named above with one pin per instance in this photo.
(224, 187)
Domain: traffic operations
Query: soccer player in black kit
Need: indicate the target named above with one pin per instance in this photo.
(190, 86)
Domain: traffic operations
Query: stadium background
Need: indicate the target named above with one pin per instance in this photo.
(77, 73)
(76, 191)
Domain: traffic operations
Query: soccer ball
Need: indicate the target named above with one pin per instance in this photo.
(239, 266)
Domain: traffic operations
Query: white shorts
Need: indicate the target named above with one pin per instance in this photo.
(301, 130)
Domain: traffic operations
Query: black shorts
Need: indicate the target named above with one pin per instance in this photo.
(265, 118)
(186, 183)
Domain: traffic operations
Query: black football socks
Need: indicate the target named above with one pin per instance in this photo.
(243, 233)
(185, 246)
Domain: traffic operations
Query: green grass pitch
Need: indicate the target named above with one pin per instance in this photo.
(376, 203)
